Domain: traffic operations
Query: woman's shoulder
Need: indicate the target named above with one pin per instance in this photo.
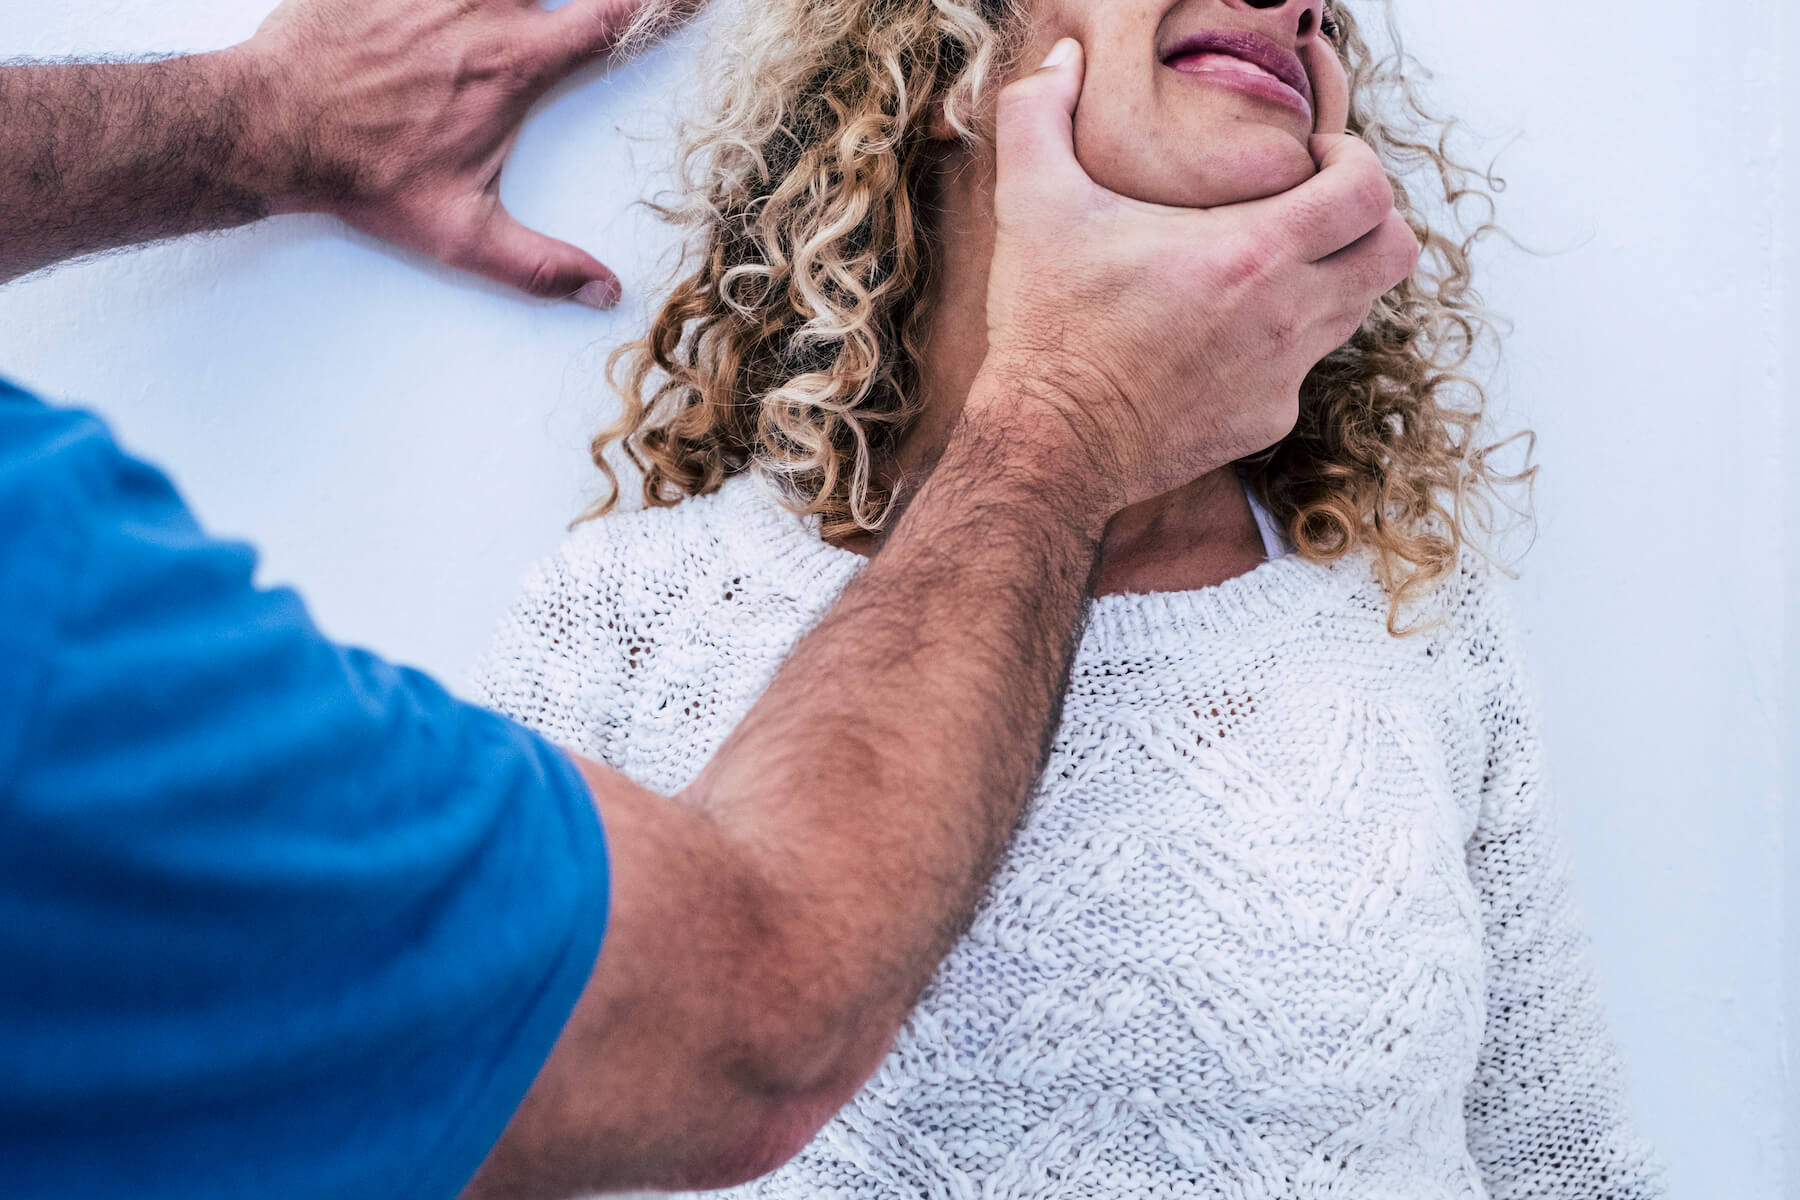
(588, 616)
(653, 550)
(657, 539)
(721, 547)
(1472, 629)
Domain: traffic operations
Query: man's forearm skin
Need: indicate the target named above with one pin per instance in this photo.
(101, 155)
(835, 847)
(900, 741)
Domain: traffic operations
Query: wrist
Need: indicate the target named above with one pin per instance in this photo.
(258, 105)
(1028, 427)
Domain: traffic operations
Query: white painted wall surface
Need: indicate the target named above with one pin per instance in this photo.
(402, 441)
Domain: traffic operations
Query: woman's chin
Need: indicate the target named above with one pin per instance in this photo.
(1251, 169)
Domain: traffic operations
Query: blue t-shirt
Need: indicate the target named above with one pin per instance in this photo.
(277, 919)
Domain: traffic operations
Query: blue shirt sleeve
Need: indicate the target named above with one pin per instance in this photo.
(277, 919)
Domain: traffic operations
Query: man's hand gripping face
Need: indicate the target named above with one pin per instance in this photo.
(1165, 342)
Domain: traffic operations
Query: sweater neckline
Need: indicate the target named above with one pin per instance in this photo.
(766, 535)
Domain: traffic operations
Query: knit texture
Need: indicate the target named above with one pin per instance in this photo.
(1288, 917)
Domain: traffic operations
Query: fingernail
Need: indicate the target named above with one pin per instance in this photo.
(1060, 53)
(601, 294)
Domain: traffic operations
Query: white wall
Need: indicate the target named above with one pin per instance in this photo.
(1647, 356)
(1787, 387)
(403, 441)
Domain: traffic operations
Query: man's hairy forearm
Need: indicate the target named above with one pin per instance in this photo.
(102, 155)
(881, 775)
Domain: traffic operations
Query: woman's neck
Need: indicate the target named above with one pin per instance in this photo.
(1195, 536)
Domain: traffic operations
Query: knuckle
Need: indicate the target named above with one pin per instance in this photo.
(1016, 100)
(1366, 187)
(1374, 191)
(1397, 270)
(545, 279)
(1407, 250)
(600, 28)
(1346, 326)
(1362, 155)
(1248, 260)
(1374, 276)
(503, 59)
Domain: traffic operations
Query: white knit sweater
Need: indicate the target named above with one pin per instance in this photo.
(1289, 916)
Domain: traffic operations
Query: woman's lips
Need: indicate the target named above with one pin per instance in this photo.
(1245, 63)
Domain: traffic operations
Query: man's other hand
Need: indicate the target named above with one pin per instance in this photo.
(397, 116)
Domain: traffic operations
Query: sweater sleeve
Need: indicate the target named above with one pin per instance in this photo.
(1547, 1114)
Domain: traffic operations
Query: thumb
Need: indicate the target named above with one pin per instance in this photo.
(1035, 129)
(508, 252)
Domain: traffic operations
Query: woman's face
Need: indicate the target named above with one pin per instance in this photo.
(1184, 101)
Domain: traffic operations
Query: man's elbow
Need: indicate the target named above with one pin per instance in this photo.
(770, 1145)
(803, 1084)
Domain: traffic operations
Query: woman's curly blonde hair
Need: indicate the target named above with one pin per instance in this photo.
(793, 347)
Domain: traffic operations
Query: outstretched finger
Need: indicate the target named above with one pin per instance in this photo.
(508, 252)
(1035, 131)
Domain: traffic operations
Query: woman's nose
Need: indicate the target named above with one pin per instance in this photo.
(1297, 18)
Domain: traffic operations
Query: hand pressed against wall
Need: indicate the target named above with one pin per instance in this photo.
(395, 115)
(398, 116)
